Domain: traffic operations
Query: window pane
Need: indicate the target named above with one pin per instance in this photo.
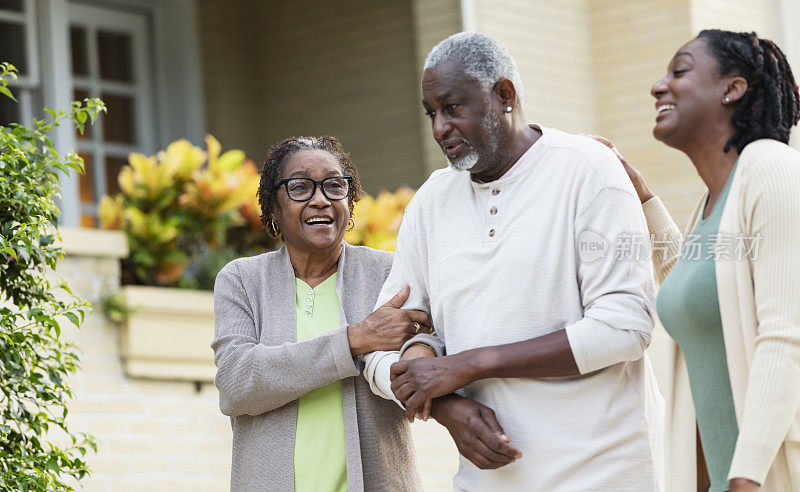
(15, 5)
(85, 186)
(12, 45)
(9, 111)
(113, 166)
(118, 123)
(80, 55)
(80, 95)
(114, 53)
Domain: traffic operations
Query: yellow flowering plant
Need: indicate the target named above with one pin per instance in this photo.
(185, 212)
(377, 220)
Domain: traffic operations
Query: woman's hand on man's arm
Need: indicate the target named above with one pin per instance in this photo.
(389, 327)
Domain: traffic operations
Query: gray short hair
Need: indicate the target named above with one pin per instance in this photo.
(480, 56)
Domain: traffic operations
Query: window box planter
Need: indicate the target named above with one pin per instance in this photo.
(167, 334)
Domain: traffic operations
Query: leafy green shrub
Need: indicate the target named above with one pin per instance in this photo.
(377, 220)
(34, 361)
(186, 212)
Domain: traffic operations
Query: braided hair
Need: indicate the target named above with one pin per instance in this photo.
(279, 154)
(771, 106)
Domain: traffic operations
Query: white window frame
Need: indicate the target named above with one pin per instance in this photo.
(24, 86)
(175, 53)
(28, 18)
(93, 19)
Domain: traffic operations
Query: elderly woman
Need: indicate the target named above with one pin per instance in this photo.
(289, 336)
(729, 297)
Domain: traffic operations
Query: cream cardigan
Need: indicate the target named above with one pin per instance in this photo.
(760, 307)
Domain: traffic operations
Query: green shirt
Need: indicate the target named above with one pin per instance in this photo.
(319, 450)
(688, 307)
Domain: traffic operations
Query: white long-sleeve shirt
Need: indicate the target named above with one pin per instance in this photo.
(560, 241)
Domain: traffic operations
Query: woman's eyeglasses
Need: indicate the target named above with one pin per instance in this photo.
(302, 189)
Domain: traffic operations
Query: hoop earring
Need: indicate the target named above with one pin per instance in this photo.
(351, 224)
(272, 228)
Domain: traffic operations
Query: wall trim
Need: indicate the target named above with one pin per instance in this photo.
(93, 242)
(468, 19)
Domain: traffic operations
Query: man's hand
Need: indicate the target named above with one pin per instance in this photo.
(743, 485)
(476, 432)
(415, 352)
(417, 382)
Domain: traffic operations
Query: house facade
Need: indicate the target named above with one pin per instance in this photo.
(253, 71)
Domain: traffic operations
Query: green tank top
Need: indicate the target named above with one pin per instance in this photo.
(688, 307)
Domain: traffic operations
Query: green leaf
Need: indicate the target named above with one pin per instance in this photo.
(7, 92)
(73, 318)
(52, 465)
(10, 251)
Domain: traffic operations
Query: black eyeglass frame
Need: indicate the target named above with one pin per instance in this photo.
(285, 183)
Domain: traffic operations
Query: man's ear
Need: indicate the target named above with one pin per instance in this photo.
(505, 93)
(736, 89)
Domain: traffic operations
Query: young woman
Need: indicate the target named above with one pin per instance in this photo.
(730, 287)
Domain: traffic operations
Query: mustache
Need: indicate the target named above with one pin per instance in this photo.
(454, 140)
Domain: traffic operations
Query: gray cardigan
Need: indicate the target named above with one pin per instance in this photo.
(262, 370)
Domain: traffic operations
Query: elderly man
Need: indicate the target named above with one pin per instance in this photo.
(512, 251)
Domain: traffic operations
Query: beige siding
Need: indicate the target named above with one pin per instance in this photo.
(314, 67)
(437, 455)
(434, 20)
(346, 69)
(550, 41)
(230, 75)
(734, 15)
(151, 435)
(633, 42)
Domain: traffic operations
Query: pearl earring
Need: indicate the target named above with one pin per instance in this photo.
(508, 109)
(726, 99)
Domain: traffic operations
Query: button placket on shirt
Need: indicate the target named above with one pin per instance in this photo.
(310, 303)
(493, 215)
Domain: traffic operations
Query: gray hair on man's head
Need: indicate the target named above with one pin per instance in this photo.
(480, 56)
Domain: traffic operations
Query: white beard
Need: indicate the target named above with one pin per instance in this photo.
(465, 163)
